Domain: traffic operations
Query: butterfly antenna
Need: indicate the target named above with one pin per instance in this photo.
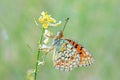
(65, 24)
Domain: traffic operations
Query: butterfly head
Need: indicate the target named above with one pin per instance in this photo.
(59, 35)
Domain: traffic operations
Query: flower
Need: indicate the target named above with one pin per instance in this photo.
(57, 24)
(46, 40)
(46, 20)
(47, 34)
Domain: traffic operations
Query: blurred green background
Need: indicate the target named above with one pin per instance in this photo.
(94, 24)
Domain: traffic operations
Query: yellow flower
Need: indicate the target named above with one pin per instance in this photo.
(47, 20)
(45, 25)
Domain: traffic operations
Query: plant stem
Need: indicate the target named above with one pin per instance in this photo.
(38, 54)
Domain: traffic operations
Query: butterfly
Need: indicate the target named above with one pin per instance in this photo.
(68, 54)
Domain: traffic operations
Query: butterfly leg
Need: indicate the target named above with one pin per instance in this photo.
(47, 49)
(51, 36)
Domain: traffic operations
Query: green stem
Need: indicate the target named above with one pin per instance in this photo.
(38, 54)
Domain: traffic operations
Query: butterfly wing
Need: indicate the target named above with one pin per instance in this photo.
(86, 58)
(68, 55)
(65, 56)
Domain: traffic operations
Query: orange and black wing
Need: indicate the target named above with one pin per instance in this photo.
(86, 58)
